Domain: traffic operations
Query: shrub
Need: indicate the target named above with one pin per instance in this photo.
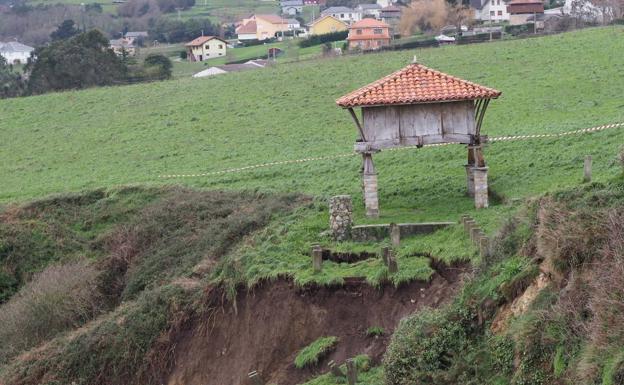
(324, 38)
(313, 353)
(60, 298)
(374, 331)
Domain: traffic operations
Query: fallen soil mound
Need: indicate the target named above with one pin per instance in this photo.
(267, 326)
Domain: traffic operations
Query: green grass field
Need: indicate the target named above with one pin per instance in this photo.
(102, 137)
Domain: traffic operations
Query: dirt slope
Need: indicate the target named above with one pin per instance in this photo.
(270, 324)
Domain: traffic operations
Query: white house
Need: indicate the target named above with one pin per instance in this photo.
(205, 47)
(293, 24)
(490, 10)
(344, 14)
(15, 53)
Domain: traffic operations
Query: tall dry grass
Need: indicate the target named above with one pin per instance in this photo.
(59, 298)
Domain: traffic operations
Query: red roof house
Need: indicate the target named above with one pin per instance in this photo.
(368, 34)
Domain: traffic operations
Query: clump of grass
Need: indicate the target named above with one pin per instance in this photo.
(313, 353)
(60, 298)
(375, 331)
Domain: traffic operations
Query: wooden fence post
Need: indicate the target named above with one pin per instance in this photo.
(351, 372)
(587, 169)
(392, 262)
(385, 251)
(317, 258)
(395, 234)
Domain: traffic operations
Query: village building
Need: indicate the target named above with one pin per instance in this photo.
(493, 11)
(132, 36)
(525, 11)
(327, 24)
(370, 10)
(205, 47)
(123, 47)
(419, 106)
(368, 34)
(347, 15)
(291, 7)
(391, 14)
(15, 53)
(293, 24)
(261, 27)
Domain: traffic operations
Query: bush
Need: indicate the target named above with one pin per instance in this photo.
(60, 298)
(374, 331)
(325, 38)
(312, 354)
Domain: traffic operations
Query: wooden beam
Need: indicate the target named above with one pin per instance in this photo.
(486, 102)
(357, 123)
(418, 141)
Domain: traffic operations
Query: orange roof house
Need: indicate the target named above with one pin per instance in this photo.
(261, 27)
(368, 34)
(419, 106)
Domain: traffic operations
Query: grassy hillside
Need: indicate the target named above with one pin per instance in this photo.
(154, 254)
(103, 137)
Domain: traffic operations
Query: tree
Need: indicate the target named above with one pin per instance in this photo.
(64, 31)
(158, 65)
(11, 83)
(83, 61)
(432, 15)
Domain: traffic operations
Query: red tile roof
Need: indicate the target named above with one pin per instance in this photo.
(369, 23)
(201, 40)
(416, 84)
(250, 27)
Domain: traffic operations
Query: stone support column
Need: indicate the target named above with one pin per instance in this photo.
(369, 178)
(340, 216)
(481, 187)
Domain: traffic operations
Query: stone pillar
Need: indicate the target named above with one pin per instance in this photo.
(369, 177)
(470, 180)
(340, 216)
(480, 187)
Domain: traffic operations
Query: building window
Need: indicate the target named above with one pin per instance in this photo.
(491, 13)
(207, 46)
(500, 13)
(220, 46)
(358, 31)
(377, 31)
(342, 15)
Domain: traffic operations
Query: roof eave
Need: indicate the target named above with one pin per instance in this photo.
(415, 103)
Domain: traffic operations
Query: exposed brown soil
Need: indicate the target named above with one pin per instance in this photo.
(268, 325)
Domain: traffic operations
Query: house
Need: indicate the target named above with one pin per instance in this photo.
(293, 24)
(134, 35)
(419, 106)
(15, 53)
(525, 11)
(291, 7)
(261, 27)
(391, 14)
(205, 47)
(490, 10)
(372, 10)
(327, 24)
(345, 14)
(224, 69)
(123, 47)
(368, 34)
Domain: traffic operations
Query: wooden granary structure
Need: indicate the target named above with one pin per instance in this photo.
(417, 106)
